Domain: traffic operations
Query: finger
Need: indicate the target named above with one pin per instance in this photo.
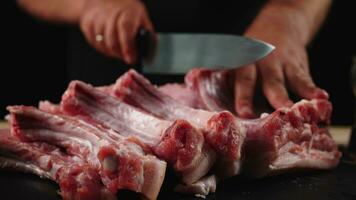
(273, 83)
(127, 29)
(147, 22)
(90, 26)
(99, 31)
(320, 93)
(245, 81)
(303, 57)
(110, 34)
(302, 83)
(87, 26)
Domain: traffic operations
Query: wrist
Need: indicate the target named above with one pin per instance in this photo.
(282, 19)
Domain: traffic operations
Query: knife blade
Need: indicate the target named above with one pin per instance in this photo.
(177, 53)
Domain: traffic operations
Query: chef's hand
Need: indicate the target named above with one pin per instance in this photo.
(286, 68)
(110, 26)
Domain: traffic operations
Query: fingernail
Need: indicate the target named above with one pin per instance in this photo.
(321, 94)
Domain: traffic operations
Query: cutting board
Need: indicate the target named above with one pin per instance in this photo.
(3, 124)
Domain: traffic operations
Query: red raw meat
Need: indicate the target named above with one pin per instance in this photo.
(220, 128)
(182, 94)
(204, 89)
(288, 138)
(50, 107)
(77, 179)
(176, 142)
(121, 163)
(103, 137)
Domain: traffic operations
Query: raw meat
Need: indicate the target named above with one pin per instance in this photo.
(50, 107)
(220, 128)
(204, 89)
(100, 140)
(289, 138)
(181, 93)
(77, 180)
(211, 88)
(121, 163)
(178, 143)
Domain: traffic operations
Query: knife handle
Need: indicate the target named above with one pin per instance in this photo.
(144, 47)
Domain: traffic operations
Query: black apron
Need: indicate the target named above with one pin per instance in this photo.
(196, 16)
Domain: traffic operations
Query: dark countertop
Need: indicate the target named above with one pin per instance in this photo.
(336, 184)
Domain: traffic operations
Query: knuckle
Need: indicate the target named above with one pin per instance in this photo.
(126, 25)
(244, 97)
(299, 74)
(304, 78)
(277, 80)
(246, 74)
(246, 80)
(269, 58)
(276, 92)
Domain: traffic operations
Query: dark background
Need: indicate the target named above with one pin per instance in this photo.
(34, 53)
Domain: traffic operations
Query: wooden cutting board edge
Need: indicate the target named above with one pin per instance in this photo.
(3, 124)
(341, 134)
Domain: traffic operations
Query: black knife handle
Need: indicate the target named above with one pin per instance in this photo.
(144, 47)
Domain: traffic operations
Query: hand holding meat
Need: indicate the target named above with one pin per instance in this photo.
(285, 68)
(110, 26)
(289, 27)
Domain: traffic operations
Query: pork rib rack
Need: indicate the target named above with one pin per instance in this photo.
(288, 138)
(77, 179)
(219, 128)
(121, 163)
(178, 142)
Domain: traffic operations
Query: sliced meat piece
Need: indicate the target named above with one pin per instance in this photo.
(178, 143)
(220, 128)
(77, 179)
(122, 164)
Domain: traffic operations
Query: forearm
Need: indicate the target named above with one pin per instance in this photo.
(61, 11)
(303, 17)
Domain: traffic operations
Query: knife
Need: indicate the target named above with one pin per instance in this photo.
(177, 53)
